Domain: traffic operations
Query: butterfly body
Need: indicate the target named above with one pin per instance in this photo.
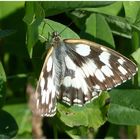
(76, 71)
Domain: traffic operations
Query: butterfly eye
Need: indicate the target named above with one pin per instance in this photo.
(55, 34)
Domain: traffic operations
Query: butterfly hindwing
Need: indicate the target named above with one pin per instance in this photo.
(74, 88)
(46, 90)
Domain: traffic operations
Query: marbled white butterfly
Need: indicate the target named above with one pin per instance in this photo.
(76, 71)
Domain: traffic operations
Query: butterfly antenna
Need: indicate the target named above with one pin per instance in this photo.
(69, 25)
(66, 27)
(51, 27)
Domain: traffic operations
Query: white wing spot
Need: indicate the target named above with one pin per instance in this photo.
(77, 101)
(75, 83)
(83, 49)
(50, 89)
(66, 99)
(117, 84)
(67, 81)
(97, 87)
(124, 81)
(53, 92)
(47, 96)
(51, 113)
(81, 81)
(86, 98)
(69, 63)
(103, 49)
(99, 75)
(89, 68)
(49, 64)
(122, 70)
(85, 69)
(50, 84)
(43, 94)
(104, 57)
(121, 61)
(107, 71)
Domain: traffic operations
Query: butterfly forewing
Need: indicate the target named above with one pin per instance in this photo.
(76, 71)
(94, 68)
(112, 64)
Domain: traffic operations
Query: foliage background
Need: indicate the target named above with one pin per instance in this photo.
(22, 42)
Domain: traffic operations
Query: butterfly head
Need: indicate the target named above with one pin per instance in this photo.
(55, 39)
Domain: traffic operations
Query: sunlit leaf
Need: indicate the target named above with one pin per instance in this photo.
(91, 115)
(99, 29)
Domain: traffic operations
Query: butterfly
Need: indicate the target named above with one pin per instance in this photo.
(76, 71)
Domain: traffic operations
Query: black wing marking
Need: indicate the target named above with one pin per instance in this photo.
(110, 69)
(46, 91)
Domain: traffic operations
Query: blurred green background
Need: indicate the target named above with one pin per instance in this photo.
(23, 34)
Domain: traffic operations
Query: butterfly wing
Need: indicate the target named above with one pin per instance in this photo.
(90, 69)
(78, 72)
(46, 91)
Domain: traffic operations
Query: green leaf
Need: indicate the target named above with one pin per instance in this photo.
(10, 23)
(2, 85)
(78, 132)
(33, 17)
(48, 26)
(125, 107)
(119, 26)
(2, 73)
(98, 27)
(137, 21)
(8, 125)
(56, 7)
(2, 92)
(7, 8)
(136, 56)
(109, 9)
(90, 115)
(135, 39)
(136, 44)
(131, 10)
(22, 115)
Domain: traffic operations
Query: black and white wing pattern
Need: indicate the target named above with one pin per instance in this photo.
(90, 69)
(45, 93)
(76, 71)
